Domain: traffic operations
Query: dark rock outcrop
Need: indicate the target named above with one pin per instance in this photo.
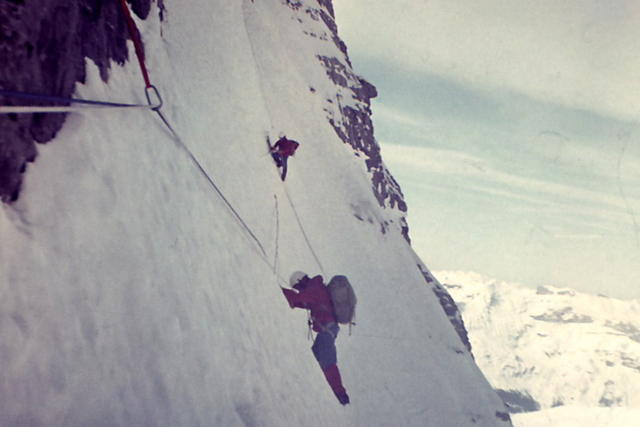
(503, 416)
(353, 124)
(448, 305)
(543, 291)
(627, 329)
(43, 46)
(518, 401)
(356, 129)
(564, 315)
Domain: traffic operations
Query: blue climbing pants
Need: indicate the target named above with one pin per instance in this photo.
(281, 162)
(324, 346)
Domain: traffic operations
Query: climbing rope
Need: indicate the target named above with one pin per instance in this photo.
(210, 180)
(85, 104)
(149, 88)
(304, 234)
(258, 66)
(275, 252)
(137, 43)
(268, 111)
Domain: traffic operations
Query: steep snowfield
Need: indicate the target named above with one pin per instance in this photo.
(131, 295)
(551, 347)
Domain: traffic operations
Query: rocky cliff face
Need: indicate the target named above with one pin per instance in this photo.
(448, 305)
(43, 46)
(353, 102)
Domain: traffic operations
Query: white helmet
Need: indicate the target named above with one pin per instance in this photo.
(296, 277)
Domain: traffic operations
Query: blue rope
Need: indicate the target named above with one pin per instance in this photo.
(60, 99)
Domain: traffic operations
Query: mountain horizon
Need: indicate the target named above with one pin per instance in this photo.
(545, 348)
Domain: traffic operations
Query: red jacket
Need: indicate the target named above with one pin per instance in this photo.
(285, 147)
(315, 297)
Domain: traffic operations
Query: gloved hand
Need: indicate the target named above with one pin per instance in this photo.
(289, 295)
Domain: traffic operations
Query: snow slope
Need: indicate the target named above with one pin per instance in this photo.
(551, 347)
(131, 295)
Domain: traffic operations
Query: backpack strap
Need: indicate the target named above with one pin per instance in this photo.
(353, 321)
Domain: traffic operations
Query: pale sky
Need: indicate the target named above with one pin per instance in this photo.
(512, 127)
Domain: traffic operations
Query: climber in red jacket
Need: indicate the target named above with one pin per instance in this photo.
(281, 151)
(313, 295)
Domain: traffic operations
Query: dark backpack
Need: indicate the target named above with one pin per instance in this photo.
(343, 298)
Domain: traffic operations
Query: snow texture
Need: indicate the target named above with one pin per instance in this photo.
(131, 295)
(579, 416)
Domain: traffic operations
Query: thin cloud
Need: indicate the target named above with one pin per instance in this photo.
(578, 236)
(474, 170)
(397, 116)
(579, 53)
(593, 159)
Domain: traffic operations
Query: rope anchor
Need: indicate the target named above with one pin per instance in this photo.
(150, 91)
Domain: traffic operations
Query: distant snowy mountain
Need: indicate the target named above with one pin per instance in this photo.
(140, 272)
(551, 347)
(579, 416)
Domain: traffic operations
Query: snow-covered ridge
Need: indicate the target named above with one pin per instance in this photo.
(579, 416)
(550, 347)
